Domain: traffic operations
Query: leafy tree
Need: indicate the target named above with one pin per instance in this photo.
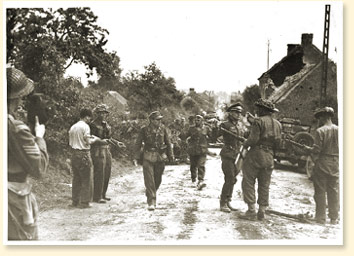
(150, 90)
(250, 95)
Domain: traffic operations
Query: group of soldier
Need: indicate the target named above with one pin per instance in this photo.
(91, 159)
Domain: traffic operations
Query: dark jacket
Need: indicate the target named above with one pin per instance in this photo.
(197, 140)
(231, 145)
(155, 140)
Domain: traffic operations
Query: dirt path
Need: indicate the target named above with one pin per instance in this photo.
(187, 216)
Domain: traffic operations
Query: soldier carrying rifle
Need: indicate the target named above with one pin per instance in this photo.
(325, 154)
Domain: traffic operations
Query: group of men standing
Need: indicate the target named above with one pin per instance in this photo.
(91, 158)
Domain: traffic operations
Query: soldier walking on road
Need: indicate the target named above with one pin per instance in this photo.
(326, 171)
(27, 156)
(80, 140)
(197, 150)
(157, 148)
(101, 155)
(258, 164)
(229, 152)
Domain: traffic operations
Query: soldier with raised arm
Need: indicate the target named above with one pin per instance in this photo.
(258, 164)
(27, 156)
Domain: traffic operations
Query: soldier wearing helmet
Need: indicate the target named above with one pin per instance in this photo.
(325, 152)
(100, 153)
(265, 135)
(229, 153)
(27, 156)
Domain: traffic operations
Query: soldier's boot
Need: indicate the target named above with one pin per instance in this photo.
(250, 214)
(261, 212)
(224, 207)
(201, 185)
(230, 206)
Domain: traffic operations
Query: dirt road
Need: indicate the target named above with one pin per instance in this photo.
(187, 216)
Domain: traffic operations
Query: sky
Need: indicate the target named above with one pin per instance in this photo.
(210, 45)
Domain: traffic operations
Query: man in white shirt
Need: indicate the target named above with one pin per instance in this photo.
(80, 140)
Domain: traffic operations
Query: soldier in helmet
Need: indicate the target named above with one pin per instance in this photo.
(229, 153)
(326, 171)
(258, 164)
(100, 153)
(157, 150)
(27, 156)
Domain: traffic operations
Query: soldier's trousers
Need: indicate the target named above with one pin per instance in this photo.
(230, 173)
(152, 179)
(325, 184)
(250, 175)
(102, 165)
(82, 183)
(197, 167)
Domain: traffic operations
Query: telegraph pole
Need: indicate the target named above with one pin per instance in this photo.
(323, 90)
(268, 55)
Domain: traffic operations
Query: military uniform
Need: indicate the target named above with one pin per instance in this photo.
(258, 164)
(228, 155)
(157, 149)
(197, 150)
(326, 170)
(27, 156)
(101, 156)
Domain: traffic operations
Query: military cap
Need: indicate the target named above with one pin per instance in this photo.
(155, 115)
(199, 117)
(324, 111)
(101, 108)
(235, 107)
(266, 104)
(18, 85)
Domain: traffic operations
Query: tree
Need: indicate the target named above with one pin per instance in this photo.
(250, 95)
(150, 90)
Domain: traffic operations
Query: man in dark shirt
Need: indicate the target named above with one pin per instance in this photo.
(258, 164)
(197, 150)
(100, 153)
(157, 148)
(229, 153)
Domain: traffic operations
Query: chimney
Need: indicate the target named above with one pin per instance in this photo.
(306, 39)
(291, 47)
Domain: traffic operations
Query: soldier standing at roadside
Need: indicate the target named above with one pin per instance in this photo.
(27, 156)
(101, 155)
(157, 148)
(229, 153)
(326, 171)
(197, 150)
(258, 165)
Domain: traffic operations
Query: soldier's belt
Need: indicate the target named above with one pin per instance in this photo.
(267, 147)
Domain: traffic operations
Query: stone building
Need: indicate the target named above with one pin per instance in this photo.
(293, 83)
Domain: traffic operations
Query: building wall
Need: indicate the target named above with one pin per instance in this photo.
(304, 99)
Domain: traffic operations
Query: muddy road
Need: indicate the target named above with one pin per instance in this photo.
(185, 215)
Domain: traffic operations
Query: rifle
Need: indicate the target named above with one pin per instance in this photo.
(304, 147)
(239, 138)
(117, 144)
(304, 218)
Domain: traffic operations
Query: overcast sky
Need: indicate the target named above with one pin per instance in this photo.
(211, 45)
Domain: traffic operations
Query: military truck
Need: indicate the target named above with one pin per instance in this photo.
(300, 133)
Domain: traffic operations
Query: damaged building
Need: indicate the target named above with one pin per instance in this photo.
(293, 83)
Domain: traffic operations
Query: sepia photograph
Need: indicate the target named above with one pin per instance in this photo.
(173, 123)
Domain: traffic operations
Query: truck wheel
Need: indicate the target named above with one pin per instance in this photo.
(302, 138)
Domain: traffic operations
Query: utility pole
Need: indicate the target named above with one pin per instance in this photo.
(268, 55)
(323, 90)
